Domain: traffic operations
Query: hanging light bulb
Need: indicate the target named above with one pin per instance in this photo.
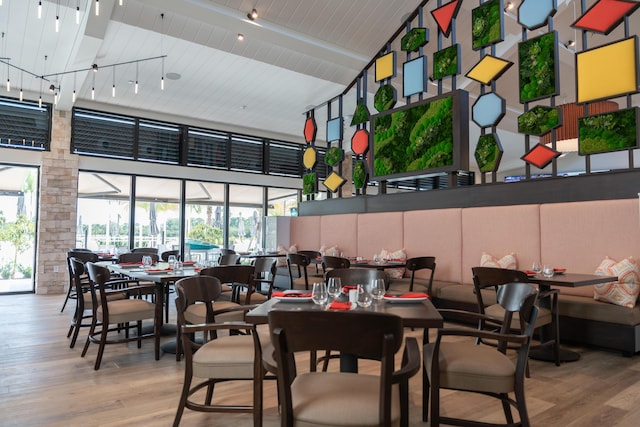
(57, 24)
(93, 88)
(161, 50)
(55, 98)
(120, 2)
(40, 9)
(135, 88)
(73, 95)
(78, 13)
(113, 88)
(40, 102)
(97, 7)
(162, 78)
(8, 78)
(21, 94)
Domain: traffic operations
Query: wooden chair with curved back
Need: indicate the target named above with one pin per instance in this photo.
(466, 366)
(152, 251)
(330, 262)
(233, 279)
(229, 259)
(298, 262)
(315, 258)
(354, 276)
(421, 263)
(131, 257)
(84, 255)
(264, 274)
(326, 398)
(217, 358)
(164, 256)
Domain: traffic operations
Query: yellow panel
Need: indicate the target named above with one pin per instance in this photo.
(385, 66)
(607, 71)
(309, 158)
(334, 181)
(488, 69)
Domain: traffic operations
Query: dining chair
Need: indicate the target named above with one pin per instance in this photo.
(130, 257)
(234, 278)
(264, 274)
(298, 262)
(315, 259)
(466, 366)
(164, 256)
(106, 312)
(331, 262)
(490, 278)
(421, 263)
(85, 256)
(341, 398)
(354, 276)
(229, 259)
(215, 358)
(82, 296)
(152, 251)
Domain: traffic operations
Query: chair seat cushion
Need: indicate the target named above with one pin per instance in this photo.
(488, 370)
(497, 312)
(226, 357)
(339, 399)
(128, 310)
(197, 313)
(256, 298)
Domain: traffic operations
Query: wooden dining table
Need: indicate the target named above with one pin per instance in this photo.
(415, 314)
(568, 280)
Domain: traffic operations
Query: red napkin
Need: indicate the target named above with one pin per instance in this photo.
(408, 295)
(339, 305)
(290, 294)
(189, 263)
(159, 270)
(559, 270)
(347, 288)
(131, 263)
(197, 269)
(530, 272)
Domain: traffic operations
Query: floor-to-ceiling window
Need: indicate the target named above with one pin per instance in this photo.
(205, 219)
(157, 214)
(245, 217)
(18, 210)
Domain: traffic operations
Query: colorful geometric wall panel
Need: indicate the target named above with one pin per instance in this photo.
(310, 130)
(539, 120)
(414, 39)
(489, 68)
(360, 142)
(446, 62)
(534, 14)
(486, 24)
(488, 152)
(488, 110)
(444, 15)
(359, 174)
(540, 156)
(334, 129)
(607, 71)
(309, 158)
(309, 183)
(414, 76)
(538, 71)
(334, 181)
(361, 114)
(604, 16)
(386, 66)
(613, 131)
(385, 98)
(333, 156)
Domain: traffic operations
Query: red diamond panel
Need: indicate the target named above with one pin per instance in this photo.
(310, 130)
(540, 156)
(605, 15)
(360, 142)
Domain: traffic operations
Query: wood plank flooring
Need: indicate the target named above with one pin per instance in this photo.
(45, 383)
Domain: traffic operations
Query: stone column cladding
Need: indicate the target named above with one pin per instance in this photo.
(347, 173)
(57, 208)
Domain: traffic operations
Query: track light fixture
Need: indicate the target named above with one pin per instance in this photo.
(240, 36)
(253, 15)
(94, 67)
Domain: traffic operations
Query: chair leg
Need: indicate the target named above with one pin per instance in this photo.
(404, 404)
(506, 407)
(183, 398)
(209, 395)
(92, 331)
(556, 342)
(521, 404)
(103, 340)
(435, 406)
(139, 331)
(425, 394)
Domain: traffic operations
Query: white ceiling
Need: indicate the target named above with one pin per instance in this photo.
(299, 53)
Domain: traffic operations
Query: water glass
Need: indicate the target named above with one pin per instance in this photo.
(334, 287)
(146, 262)
(547, 271)
(364, 297)
(178, 265)
(319, 293)
(536, 268)
(172, 261)
(377, 289)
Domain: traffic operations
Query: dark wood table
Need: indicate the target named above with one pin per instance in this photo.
(380, 265)
(570, 280)
(414, 315)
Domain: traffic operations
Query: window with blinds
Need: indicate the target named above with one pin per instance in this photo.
(25, 125)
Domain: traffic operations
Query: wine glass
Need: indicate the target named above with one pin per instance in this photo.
(377, 289)
(146, 262)
(334, 287)
(547, 271)
(535, 267)
(364, 297)
(319, 293)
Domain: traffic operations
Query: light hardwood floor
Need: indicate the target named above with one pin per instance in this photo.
(45, 383)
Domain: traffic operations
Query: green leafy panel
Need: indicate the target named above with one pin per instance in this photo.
(385, 98)
(333, 156)
(414, 139)
(309, 183)
(446, 62)
(414, 39)
(486, 24)
(538, 71)
(360, 115)
(539, 120)
(617, 130)
(488, 153)
(359, 174)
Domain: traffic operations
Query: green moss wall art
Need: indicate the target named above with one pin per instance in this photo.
(486, 24)
(538, 67)
(488, 153)
(361, 114)
(539, 120)
(359, 174)
(385, 98)
(333, 156)
(613, 131)
(446, 62)
(414, 39)
(309, 182)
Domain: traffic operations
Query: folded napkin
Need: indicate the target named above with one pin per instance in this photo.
(197, 269)
(339, 305)
(530, 272)
(347, 288)
(189, 263)
(559, 270)
(159, 270)
(290, 294)
(131, 263)
(408, 295)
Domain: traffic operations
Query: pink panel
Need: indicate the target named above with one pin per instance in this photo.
(436, 232)
(500, 230)
(577, 236)
(339, 230)
(305, 232)
(377, 231)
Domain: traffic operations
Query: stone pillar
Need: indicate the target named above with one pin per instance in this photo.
(57, 208)
(347, 173)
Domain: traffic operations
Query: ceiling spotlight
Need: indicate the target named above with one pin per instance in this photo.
(94, 67)
(52, 88)
(571, 43)
(509, 6)
(240, 36)
(253, 15)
